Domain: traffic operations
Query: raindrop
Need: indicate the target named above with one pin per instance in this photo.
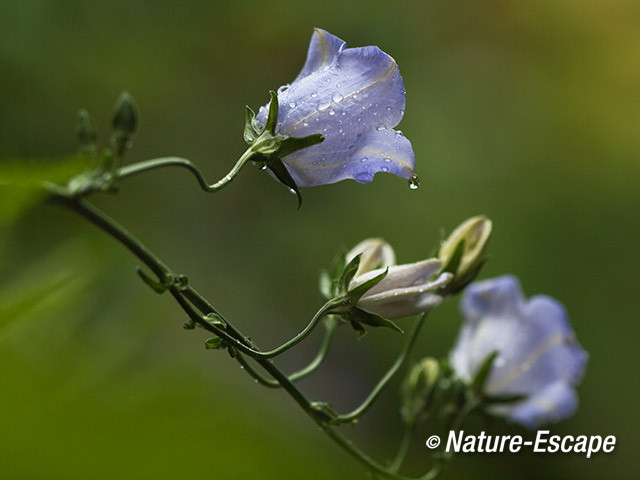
(263, 167)
(364, 177)
(402, 111)
(337, 97)
(323, 106)
(387, 160)
(332, 112)
(291, 190)
(292, 105)
(380, 128)
(385, 169)
(305, 124)
(414, 182)
(364, 159)
(399, 134)
(314, 94)
(388, 109)
(324, 158)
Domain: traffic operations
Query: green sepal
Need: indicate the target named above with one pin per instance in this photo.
(348, 273)
(360, 316)
(250, 132)
(462, 283)
(283, 175)
(272, 119)
(214, 343)
(355, 294)
(503, 399)
(293, 144)
(155, 285)
(325, 284)
(454, 262)
(482, 375)
(358, 328)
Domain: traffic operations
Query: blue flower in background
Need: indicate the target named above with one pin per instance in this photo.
(353, 97)
(538, 355)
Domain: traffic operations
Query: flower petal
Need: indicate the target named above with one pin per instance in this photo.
(352, 156)
(555, 402)
(376, 253)
(399, 276)
(394, 307)
(324, 49)
(497, 296)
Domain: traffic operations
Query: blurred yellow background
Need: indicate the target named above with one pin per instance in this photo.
(527, 112)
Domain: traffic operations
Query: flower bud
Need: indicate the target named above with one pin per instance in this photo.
(376, 253)
(463, 252)
(417, 389)
(125, 118)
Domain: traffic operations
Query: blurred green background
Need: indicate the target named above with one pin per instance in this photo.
(527, 112)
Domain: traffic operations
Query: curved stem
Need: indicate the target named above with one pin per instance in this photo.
(140, 167)
(403, 448)
(185, 295)
(330, 326)
(366, 404)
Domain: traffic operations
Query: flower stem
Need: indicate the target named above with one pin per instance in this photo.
(186, 296)
(140, 167)
(366, 404)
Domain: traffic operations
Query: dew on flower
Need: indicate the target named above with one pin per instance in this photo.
(387, 160)
(292, 104)
(314, 94)
(385, 169)
(414, 182)
(337, 97)
(332, 112)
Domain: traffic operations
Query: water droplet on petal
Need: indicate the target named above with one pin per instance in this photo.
(387, 160)
(363, 177)
(388, 109)
(364, 159)
(332, 112)
(380, 128)
(402, 111)
(414, 182)
(305, 124)
(292, 105)
(324, 158)
(399, 134)
(337, 97)
(385, 169)
(314, 94)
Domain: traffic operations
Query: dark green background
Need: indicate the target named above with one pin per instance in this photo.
(527, 112)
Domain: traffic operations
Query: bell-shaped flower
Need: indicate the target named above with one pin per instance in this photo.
(405, 290)
(353, 97)
(537, 357)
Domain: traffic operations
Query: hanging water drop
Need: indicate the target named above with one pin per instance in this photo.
(414, 182)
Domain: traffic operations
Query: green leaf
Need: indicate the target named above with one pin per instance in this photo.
(355, 294)
(155, 285)
(214, 343)
(482, 375)
(22, 181)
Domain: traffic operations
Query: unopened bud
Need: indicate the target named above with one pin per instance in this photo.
(417, 389)
(125, 118)
(463, 252)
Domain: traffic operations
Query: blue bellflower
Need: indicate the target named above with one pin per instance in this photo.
(538, 355)
(353, 97)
